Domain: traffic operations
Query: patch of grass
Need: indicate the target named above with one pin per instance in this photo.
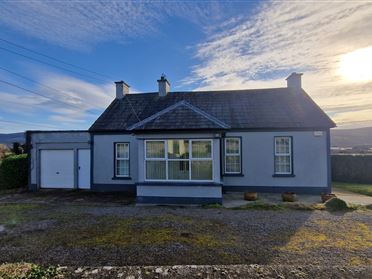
(328, 235)
(259, 205)
(213, 205)
(155, 231)
(364, 189)
(28, 271)
(14, 213)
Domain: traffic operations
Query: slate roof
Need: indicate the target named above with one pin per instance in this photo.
(274, 108)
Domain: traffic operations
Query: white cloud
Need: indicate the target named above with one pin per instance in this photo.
(74, 103)
(79, 24)
(262, 49)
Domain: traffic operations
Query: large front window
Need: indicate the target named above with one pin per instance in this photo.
(178, 159)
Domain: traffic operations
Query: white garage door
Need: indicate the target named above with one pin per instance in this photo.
(57, 169)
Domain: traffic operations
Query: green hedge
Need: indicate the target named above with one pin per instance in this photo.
(352, 168)
(14, 172)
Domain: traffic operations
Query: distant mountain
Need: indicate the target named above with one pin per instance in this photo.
(8, 139)
(352, 137)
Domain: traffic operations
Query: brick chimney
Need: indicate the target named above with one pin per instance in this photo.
(164, 86)
(122, 89)
(294, 81)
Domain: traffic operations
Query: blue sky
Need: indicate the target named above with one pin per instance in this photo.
(198, 45)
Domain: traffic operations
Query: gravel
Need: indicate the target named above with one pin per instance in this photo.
(263, 238)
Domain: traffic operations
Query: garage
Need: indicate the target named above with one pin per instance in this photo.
(57, 169)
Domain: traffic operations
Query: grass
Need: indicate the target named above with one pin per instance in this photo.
(364, 189)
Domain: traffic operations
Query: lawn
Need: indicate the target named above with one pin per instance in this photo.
(92, 234)
(364, 189)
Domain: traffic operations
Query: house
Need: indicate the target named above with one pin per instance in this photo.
(190, 147)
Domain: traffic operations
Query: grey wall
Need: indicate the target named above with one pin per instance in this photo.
(309, 160)
(180, 191)
(103, 165)
(54, 140)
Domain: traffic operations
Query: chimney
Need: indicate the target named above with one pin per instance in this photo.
(121, 89)
(164, 86)
(294, 81)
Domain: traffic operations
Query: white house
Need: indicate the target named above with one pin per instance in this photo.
(189, 147)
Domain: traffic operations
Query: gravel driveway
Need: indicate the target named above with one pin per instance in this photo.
(97, 235)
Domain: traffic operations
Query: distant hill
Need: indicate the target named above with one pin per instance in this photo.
(351, 137)
(8, 139)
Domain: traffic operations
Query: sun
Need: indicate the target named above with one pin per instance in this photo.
(356, 66)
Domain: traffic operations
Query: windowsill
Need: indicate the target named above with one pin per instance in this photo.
(121, 178)
(284, 175)
(232, 174)
(180, 183)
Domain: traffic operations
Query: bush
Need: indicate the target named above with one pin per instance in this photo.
(27, 271)
(14, 172)
(335, 204)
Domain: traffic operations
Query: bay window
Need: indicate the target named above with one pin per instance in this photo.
(232, 156)
(178, 159)
(283, 155)
(122, 159)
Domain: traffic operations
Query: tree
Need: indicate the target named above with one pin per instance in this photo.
(16, 149)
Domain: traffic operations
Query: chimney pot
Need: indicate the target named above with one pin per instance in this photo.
(122, 89)
(164, 86)
(294, 81)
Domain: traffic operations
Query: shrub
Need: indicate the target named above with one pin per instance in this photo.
(335, 204)
(28, 271)
(14, 172)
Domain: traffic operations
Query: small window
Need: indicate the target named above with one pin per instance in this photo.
(283, 155)
(122, 159)
(232, 156)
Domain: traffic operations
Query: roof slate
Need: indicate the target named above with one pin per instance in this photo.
(239, 109)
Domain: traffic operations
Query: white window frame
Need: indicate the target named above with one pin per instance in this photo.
(233, 154)
(166, 159)
(289, 154)
(122, 159)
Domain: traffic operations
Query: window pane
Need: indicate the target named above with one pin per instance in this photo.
(201, 170)
(233, 163)
(178, 170)
(122, 167)
(201, 149)
(122, 150)
(155, 170)
(282, 145)
(282, 164)
(155, 149)
(232, 146)
(178, 149)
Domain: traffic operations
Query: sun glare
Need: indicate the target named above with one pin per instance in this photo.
(357, 65)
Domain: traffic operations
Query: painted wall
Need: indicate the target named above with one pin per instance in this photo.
(180, 191)
(73, 140)
(103, 161)
(309, 160)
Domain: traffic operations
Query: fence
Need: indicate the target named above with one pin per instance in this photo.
(352, 168)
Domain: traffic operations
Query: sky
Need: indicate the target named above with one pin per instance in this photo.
(59, 59)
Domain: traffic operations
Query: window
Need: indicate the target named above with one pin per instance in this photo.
(232, 156)
(283, 155)
(122, 159)
(178, 159)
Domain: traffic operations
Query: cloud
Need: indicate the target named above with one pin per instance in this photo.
(73, 103)
(80, 24)
(261, 49)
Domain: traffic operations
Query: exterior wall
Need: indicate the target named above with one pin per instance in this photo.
(53, 140)
(310, 162)
(103, 178)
